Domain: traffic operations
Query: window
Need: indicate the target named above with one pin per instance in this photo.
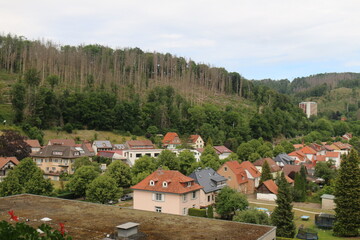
(184, 197)
(209, 198)
(225, 169)
(158, 197)
(213, 197)
(157, 209)
(156, 154)
(165, 184)
(189, 184)
(152, 183)
(193, 195)
(131, 155)
(148, 154)
(184, 211)
(138, 155)
(57, 153)
(53, 168)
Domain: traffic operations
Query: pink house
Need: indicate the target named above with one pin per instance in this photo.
(167, 191)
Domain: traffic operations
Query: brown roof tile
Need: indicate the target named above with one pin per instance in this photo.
(5, 160)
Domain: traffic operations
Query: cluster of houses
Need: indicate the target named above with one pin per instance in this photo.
(170, 191)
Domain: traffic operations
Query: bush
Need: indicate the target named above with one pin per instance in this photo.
(197, 212)
(252, 216)
(68, 128)
(210, 212)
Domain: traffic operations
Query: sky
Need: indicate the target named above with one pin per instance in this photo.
(259, 39)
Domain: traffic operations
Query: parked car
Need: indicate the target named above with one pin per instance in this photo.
(126, 197)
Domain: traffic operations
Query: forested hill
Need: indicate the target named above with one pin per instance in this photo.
(128, 90)
(301, 84)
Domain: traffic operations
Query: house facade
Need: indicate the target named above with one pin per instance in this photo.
(274, 168)
(167, 191)
(34, 144)
(6, 164)
(211, 182)
(102, 146)
(242, 177)
(171, 140)
(267, 191)
(56, 159)
(195, 141)
(222, 151)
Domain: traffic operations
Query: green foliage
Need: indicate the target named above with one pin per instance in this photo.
(347, 197)
(252, 216)
(288, 147)
(254, 156)
(265, 172)
(120, 172)
(22, 231)
(12, 144)
(32, 77)
(228, 201)
(244, 151)
(18, 101)
(186, 159)
(53, 80)
(85, 161)
(210, 212)
(103, 189)
(278, 149)
(326, 171)
(197, 212)
(68, 127)
(25, 178)
(168, 158)
(81, 179)
(143, 167)
(283, 216)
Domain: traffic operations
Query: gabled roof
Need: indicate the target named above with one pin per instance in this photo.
(102, 144)
(221, 149)
(61, 151)
(332, 154)
(176, 182)
(271, 186)
(241, 176)
(342, 146)
(140, 144)
(5, 160)
(62, 142)
(250, 168)
(308, 150)
(193, 138)
(170, 137)
(106, 154)
(283, 158)
(34, 143)
(273, 166)
(328, 148)
(320, 158)
(291, 168)
(209, 179)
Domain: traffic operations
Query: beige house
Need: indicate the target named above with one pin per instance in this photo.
(195, 141)
(167, 191)
(327, 201)
(6, 164)
(56, 159)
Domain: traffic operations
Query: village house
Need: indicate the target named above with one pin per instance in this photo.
(135, 149)
(102, 146)
(291, 170)
(274, 168)
(222, 151)
(267, 191)
(342, 148)
(299, 157)
(211, 182)
(167, 191)
(34, 144)
(330, 156)
(309, 152)
(319, 148)
(56, 159)
(242, 177)
(195, 141)
(6, 164)
(171, 140)
(347, 136)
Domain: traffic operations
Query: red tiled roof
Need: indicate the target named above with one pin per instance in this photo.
(298, 146)
(200, 150)
(287, 169)
(63, 142)
(106, 154)
(332, 154)
(193, 138)
(221, 149)
(89, 147)
(34, 143)
(320, 158)
(5, 160)
(176, 182)
(169, 138)
(329, 148)
(273, 166)
(146, 144)
(289, 180)
(308, 150)
(251, 169)
(341, 145)
(299, 155)
(271, 185)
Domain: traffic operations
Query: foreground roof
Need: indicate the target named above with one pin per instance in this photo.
(93, 221)
(5, 160)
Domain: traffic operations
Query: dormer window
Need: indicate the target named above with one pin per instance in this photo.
(152, 183)
(165, 184)
(189, 184)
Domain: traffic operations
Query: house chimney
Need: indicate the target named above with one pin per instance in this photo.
(127, 229)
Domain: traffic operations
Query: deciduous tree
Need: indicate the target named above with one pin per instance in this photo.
(103, 189)
(120, 172)
(228, 201)
(12, 144)
(81, 179)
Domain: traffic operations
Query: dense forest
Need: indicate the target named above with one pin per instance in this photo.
(128, 90)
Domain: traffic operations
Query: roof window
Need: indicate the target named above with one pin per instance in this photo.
(165, 184)
(152, 183)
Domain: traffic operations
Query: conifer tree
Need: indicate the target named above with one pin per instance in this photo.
(283, 217)
(265, 172)
(347, 197)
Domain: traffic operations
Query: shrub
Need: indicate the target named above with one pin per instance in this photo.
(197, 212)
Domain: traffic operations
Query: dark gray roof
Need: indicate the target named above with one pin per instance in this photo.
(284, 158)
(209, 179)
(103, 144)
(62, 151)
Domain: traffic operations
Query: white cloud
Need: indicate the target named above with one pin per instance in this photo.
(230, 34)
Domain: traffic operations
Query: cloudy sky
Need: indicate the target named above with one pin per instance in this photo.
(258, 38)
